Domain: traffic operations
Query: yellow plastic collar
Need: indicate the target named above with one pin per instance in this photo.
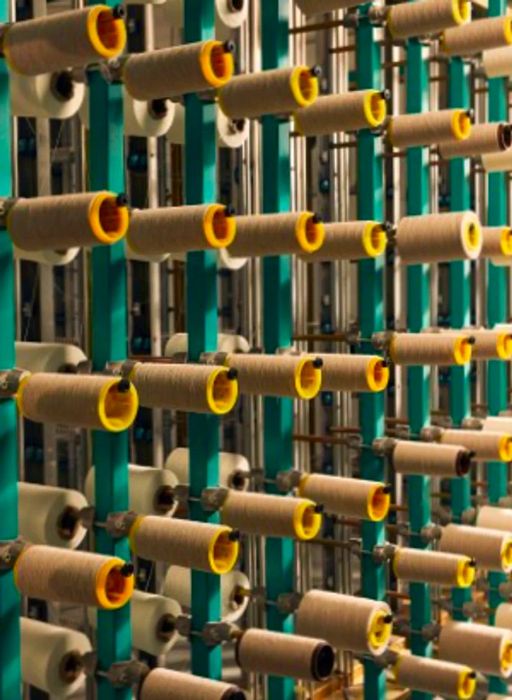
(377, 375)
(378, 503)
(308, 378)
(121, 218)
(462, 350)
(306, 521)
(505, 448)
(217, 65)
(19, 393)
(133, 532)
(375, 108)
(374, 239)
(506, 241)
(108, 40)
(507, 29)
(466, 684)
(461, 125)
(472, 235)
(221, 392)
(461, 11)
(465, 573)
(117, 409)
(379, 631)
(506, 555)
(304, 86)
(222, 552)
(506, 659)
(219, 229)
(113, 590)
(504, 346)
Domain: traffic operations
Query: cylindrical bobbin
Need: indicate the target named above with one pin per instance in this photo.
(67, 220)
(427, 128)
(497, 162)
(185, 387)
(181, 229)
(164, 684)
(350, 240)
(434, 676)
(477, 36)
(484, 138)
(432, 238)
(353, 372)
(234, 469)
(486, 445)
(349, 111)
(428, 459)
(352, 498)
(442, 349)
(81, 401)
(347, 622)
(497, 63)
(48, 357)
(65, 40)
(503, 616)
(67, 576)
(491, 344)
(497, 244)
(272, 516)
(279, 91)
(316, 7)
(423, 17)
(491, 549)
(178, 70)
(484, 648)
(277, 234)
(277, 654)
(495, 518)
(195, 545)
(426, 566)
(46, 96)
(296, 376)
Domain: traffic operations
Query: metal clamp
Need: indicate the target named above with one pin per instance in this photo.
(121, 369)
(10, 552)
(384, 446)
(119, 524)
(10, 381)
(6, 204)
(431, 533)
(122, 674)
(288, 480)
(287, 603)
(213, 633)
(212, 499)
(431, 433)
(382, 339)
(383, 553)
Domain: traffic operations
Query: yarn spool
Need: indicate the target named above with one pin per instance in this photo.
(431, 238)
(66, 576)
(226, 342)
(442, 349)
(151, 490)
(497, 63)
(195, 545)
(181, 229)
(497, 424)
(50, 515)
(316, 7)
(477, 36)
(228, 13)
(276, 92)
(53, 258)
(295, 376)
(439, 568)
(164, 684)
(426, 17)
(484, 648)
(503, 616)
(234, 469)
(51, 657)
(487, 446)
(67, 220)
(233, 585)
(351, 498)
(231, 133)
(484, 138)
(427, 128)
(179, 70)
(186, 387)
(47, 96)
(350, 240)
(494, 518)
(48, 357)
(497, 162)
(277, 234)
(65, 40)
(80, 401)
(347, 622)
(442, 678)
(350, 111)
(491, 549)
(147, 119)
(497, 244)
(488, 344)
(276, 654)
(353, 372)
(427, 459)
(271, 516)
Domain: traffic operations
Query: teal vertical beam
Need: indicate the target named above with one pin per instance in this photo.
(201, 293)
(370, 205)
(277, 325)
(10, 670)
(109, 343)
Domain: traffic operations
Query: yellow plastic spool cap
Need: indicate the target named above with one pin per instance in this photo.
(379, 501)
(462, 351)
(461, 11)
(219, 228)
(113, 588)
(308, 378)
(379, 630)
(222, 551)
(117, 408)
(375, 108)
(504, 346)
(216, 63)
(304, 86)
(473, 235)
(461, 125)
(306, 521)
(505, 449)
(374, 239)
(507, 29)
(221, 391)
(377, 374)
(506, 659)
(466, 685)
(309, 232)
(466, 572)
(506, 555)
(506, 241)
(108, 219)
(106, 33)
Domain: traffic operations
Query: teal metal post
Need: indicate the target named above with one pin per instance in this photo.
(201, 290)
(277, 326)
(370, 205)
(10, 671)
(109, 343)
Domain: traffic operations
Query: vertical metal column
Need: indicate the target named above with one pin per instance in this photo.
(201, 290)
(370, 205)
(277, 325)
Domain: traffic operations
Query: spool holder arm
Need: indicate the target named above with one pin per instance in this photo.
(10, 381)
(123, 674)
(10, 551)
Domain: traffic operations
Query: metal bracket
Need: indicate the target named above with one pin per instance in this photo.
(431, 433)
(123, 674)
(431, 533)
(212, 499)
(6, 203)
(384, 446)
(213, 358)
(215, 633)
(288, 480)
(384, 552)
(10, 552)
(431, 631)
(10, 381)
(287, 603)
(121, 369)
(468, 516)
(119, 524)
(472, 423)
(382, 339)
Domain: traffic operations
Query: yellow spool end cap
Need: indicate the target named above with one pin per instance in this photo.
(466, 572)
(507, 30)
(309, 232)
(118, 404)
(505, 448)
(306, 520)
(114, 585)
(461, 11)
(472, 234)
(304, 86)
(374, 108)
(308, 378)
(506, 555)
(378, 503)
(466, 685)
(222, 551)
(379, 630)
(219, 226)
(106, 33)
(221, 391)
(506, 659)
(504, 346)
(377, 374)
(374, 239)
(506, 241)
(217, 65)
(462, 351)
(461, 125)
(108, 219)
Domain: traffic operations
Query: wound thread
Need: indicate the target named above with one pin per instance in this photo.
(497, 244)
(484, 138)
(491, 549)
(484, 648)
(428, 128)
(350, 240)
(434, 676)
(442, 349)
(477, 36)
(295, 376)
(487, 446)
(497, 63)
(439, 568)
(494, 518)
(164, 684)
(365, 373)
(427, 459)
(350, 111)
(426, 17)
(277, 234)
(430, 238)
(351, 498)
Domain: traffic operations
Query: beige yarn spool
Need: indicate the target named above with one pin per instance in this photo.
(430, 349)
(64, 40)
(503, 616)
(476, 36)
(164, 684)
(316, 7)
(181, 229)
(497, 244)
(426, 566)
(491, 549)
(67, 576)
(484, 138)
(426, 17)
(81, 401)
(497, 162)
(277, 654)
(434, 676)
(277, 234)
(67, 220)
(427, 128)
(350, 240)
(497, 63)
(432, 238)
(271, 516)
(495, 518)
(487, 446)
(353, 372)
(48, 357)
(491, 344)
(186, 387)
(349, 111)
(195, 545)
(352, 498)
(279, 91)
(427, 459)
(347, 622)
(484, 648)
(178, 70)
(296, 376)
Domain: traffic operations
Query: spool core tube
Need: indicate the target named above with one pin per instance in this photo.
(278, 234)
(351, 111)
(428, 128)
